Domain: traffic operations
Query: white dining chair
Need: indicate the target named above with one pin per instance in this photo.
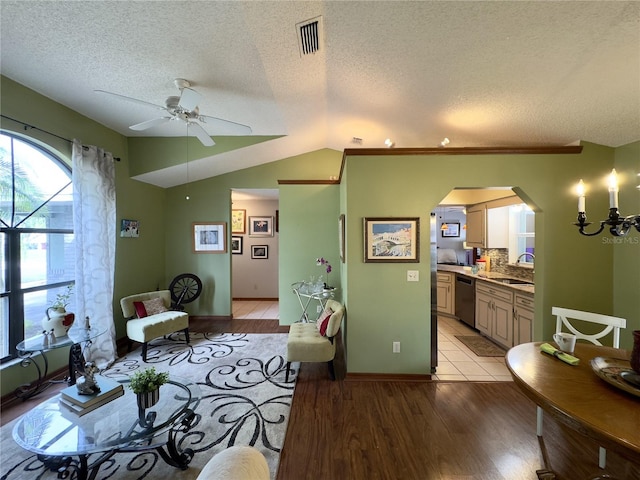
(563, 323)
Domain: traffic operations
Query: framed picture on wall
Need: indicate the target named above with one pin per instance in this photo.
(341, 228)
(261, 226)
(129, 228)
(209, 237)
(450, 229)
(236, 245)
(392, 240)
(260, 251)
(238, 221)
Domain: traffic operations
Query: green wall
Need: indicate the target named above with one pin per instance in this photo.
(626, 251)
(139, 262)
(571, 270)
(308, 230)
(210, 201)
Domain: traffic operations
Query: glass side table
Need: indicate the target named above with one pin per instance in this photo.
(66, 443)
(76, 338)
(302, 291)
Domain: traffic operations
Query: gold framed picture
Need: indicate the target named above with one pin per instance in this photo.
(238, 221)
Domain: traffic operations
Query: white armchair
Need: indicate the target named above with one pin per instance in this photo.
(149, 317)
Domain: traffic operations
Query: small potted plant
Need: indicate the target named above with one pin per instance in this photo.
(146, 385)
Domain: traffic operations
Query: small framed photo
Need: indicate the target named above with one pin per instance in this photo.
(261, 226)
(129, 228)
(209, 237)
(239, 221)
(259, 251)
(236, 245)
(450, 229)
(392, 240)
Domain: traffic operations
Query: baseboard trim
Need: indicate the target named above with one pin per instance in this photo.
(256, 299)
(386, 377)
(10, 399)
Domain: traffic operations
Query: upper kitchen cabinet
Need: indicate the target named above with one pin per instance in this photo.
(476, 226)
(488, 224)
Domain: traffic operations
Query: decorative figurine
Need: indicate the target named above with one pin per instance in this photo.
(45, 340)
(86, 384)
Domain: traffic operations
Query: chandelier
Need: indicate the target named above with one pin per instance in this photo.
(619, 225)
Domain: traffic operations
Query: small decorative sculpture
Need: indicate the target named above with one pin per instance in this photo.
(87, 384)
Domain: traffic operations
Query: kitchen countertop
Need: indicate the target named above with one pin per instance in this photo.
(489, 277)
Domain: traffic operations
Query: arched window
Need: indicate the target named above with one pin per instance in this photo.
(37, 253)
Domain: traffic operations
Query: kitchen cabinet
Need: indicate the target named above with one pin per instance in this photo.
(522, 318)
(494, 312)
(476, 225)
(487, 227)
(497, 227)
(446, 292)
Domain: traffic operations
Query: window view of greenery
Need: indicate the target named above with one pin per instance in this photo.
(36, 238)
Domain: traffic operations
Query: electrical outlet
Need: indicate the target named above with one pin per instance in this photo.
(396, 347)
(413, 276)
(318, 308)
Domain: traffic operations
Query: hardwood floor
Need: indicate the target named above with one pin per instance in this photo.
(428, 431)
(439, 430)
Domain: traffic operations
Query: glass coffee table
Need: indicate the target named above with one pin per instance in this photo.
(75, 339)
(76, 446)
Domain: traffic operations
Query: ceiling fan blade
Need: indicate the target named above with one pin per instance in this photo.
(129, 99)
(189, 99)
(225, 127)
(150, 123)
(203, 136)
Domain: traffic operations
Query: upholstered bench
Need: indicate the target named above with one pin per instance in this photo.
(148, 317)
(314, 341)
(236, 463)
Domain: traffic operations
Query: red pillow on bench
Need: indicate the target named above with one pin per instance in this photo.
(324, 322)
(141, 312)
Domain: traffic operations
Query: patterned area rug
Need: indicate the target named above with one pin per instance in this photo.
(481, 346)
(245, 401)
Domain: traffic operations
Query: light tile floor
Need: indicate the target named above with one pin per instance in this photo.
(457, 363)
(256, 309)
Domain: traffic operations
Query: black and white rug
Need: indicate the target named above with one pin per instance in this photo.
(245, 401)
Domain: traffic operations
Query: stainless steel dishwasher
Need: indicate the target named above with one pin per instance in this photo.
(466, 300)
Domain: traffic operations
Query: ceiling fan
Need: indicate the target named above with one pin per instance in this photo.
(185, 108)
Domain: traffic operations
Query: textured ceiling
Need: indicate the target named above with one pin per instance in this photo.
(480, 73)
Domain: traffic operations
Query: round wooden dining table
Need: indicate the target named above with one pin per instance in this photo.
(577, 397)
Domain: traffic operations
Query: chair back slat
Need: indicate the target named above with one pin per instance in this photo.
(611, 324)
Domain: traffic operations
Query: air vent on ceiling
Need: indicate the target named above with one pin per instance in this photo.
(309, 36)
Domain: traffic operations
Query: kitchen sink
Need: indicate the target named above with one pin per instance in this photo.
(513, 281)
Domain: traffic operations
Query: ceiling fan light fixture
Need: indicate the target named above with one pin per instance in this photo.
(185, 108)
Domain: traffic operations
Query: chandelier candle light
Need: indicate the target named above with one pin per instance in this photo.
(618, 226)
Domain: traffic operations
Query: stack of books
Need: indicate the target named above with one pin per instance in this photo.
(80, 404)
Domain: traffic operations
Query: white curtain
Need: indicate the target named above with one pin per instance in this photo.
(94, 224)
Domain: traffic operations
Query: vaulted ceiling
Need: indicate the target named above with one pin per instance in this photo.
(480, 73)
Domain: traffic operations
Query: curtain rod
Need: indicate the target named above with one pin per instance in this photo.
(27, 126)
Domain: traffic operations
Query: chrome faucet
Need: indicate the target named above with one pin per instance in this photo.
(533, 257)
